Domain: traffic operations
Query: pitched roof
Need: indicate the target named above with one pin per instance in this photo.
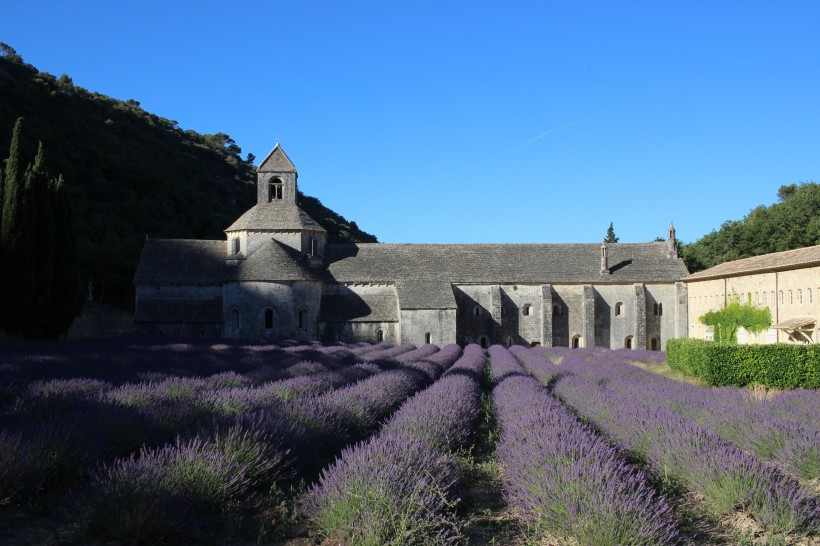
(353, 307)
(178, 310)
(276, 161)
(502, 263)
(776, 261)
(186, 261)
(275, 216)
(415, 294)
(273, 261)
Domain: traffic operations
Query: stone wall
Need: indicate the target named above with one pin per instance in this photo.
(780, 291)
(440, 324)
(284, 299)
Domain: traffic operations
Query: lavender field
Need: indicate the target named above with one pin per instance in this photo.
(135, 441)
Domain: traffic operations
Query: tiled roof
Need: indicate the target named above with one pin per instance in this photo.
(415, 294)
(185, 261)
(178, 310)
(273, 261)
(502, 263)
(276, 161)
(789, 259)
(352, 307)
(275, 216)
(795, 323)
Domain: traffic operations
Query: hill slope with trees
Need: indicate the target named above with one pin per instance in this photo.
(793, 222)
(132, 174)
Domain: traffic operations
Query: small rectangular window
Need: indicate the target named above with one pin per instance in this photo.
(800, 296)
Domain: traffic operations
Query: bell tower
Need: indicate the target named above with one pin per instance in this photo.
(276, 179)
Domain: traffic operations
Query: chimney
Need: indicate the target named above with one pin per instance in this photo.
(671, 246)
(604, 260)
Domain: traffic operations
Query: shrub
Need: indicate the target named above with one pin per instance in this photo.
(780, 365)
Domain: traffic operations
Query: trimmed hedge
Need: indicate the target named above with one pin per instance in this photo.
(780, 365)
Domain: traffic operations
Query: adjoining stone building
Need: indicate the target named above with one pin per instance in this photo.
(276, 277)
(788, 283)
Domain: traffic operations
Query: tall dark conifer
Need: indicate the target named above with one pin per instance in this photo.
(12, 184)
(39, 289)
(41, 254)
(66, 295)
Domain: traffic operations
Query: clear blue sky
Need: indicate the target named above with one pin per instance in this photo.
(449, 122)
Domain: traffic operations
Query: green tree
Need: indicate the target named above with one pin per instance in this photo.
(39, 289)
(7, 52)
(610, 235)
(735, 315)
(794, 222)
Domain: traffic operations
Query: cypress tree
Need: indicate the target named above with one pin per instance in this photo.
(40, 257)
(9, 236)
(39, 288)
(11, 185)
(66, 298)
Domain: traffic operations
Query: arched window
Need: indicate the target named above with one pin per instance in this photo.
(576, 341)
(558, 310)
(509, 342)
(619, 309)
(268, 319)
(302, 319)
(503, 311)
(236, 246)
(765, 298)
(379, 335)
(274, 189)
(314, 246)
(809, 296)
(628, 342)
(483, 342)
(527, 309)
(781, 297)
(428, 338)
(235, 320)
(476, 310)
(654, 344)
(800, 296)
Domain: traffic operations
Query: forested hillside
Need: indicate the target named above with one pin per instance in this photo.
(793, 222)
(132, 174)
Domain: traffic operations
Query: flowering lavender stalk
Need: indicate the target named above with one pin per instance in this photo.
(396, 487)
(388, 353)
(565, 478)
(444, 414)
(164, 494)
(418, 354)
(779, 427)
(682, 451)
(391, 490)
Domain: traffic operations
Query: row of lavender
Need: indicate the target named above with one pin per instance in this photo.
(234, 440)
(633, 411)
(560, 475)
(783, 428)
(397, 488)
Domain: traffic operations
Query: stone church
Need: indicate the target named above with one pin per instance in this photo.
(276, 277)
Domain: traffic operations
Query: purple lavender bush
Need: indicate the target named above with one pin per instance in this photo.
(563, 477)
(680, 451)
(391, 490)
(396, 488)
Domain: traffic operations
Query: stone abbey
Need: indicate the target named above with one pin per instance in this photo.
(276, 277)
